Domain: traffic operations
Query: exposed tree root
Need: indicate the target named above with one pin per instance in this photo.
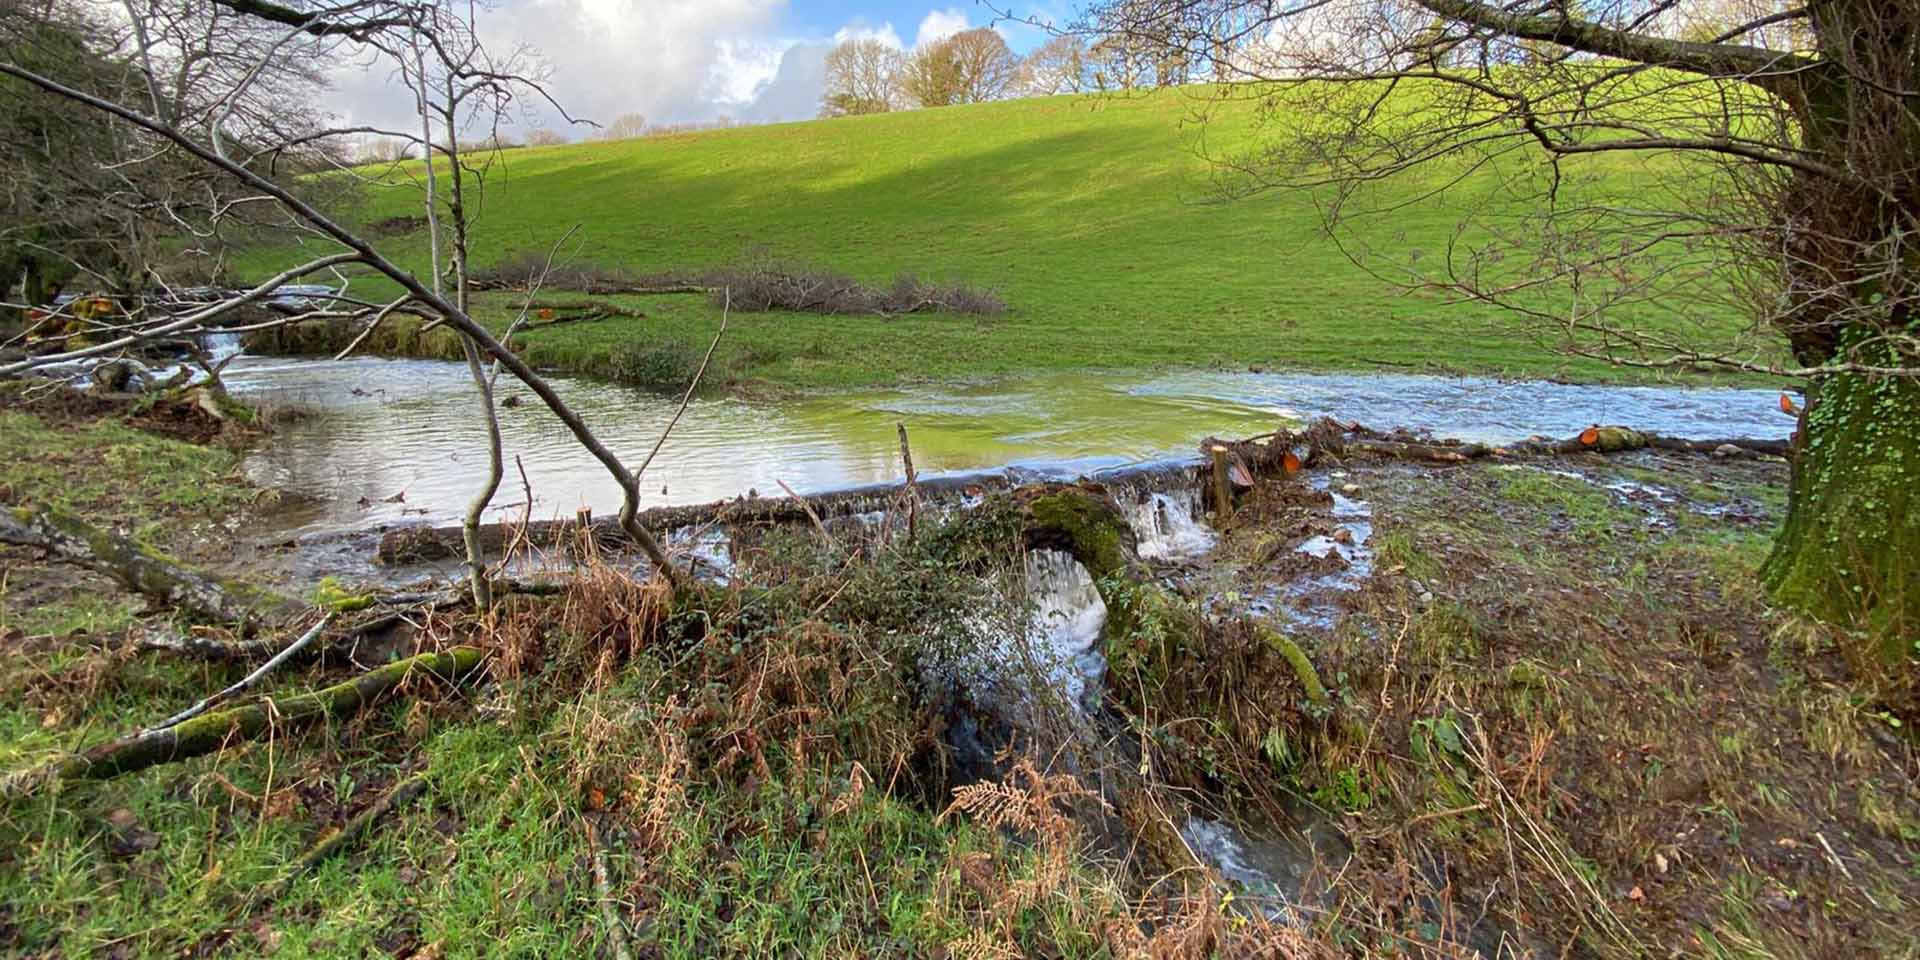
(140, 568)
(211, 732)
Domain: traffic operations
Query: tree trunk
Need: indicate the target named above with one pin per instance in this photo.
(1850, 550)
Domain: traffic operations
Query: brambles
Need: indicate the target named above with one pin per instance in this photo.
(773, 286)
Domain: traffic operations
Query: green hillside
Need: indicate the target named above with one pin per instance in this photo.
(1096, 218)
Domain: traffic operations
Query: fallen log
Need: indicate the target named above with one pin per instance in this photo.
(211, 732)
(1264, 454)
(141, 568)
(404, 545)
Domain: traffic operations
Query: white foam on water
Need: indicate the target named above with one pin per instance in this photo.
(1167, 525)
(1225, 849)
(1056, 643)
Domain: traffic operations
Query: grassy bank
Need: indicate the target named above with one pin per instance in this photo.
(1095, 218)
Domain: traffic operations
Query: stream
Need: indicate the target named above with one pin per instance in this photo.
(402, 441)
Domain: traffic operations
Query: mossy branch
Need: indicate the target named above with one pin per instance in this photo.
(211, 732)
(140, 568)
(1302, 667)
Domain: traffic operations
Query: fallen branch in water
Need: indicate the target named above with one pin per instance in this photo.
(215, 731)
(141, 568)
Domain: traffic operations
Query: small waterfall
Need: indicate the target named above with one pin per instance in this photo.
(1065, 625)
(1167, 524)
(1051, 639)
(711, 549)
(1267, 872)
(220, 345)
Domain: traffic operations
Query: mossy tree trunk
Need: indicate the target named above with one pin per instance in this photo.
(1850, 550)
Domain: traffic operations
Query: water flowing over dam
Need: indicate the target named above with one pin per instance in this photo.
(401, 441)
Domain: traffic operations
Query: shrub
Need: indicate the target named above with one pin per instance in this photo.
(774, 286)
(759, 284)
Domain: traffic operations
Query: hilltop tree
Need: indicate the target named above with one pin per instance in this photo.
(1779, 181)
(543, 137)
(930, 76)
(384, 150)
(986, 66)
(625, 127)
(1058, 66)
(972, 66)
(863, 76)
(1114, 65)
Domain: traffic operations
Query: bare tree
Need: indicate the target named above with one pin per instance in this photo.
(544, 137)
(1115, 65)
(457, 85)
(91, 201)
(930, 76)
(1782, 185)
(986, 68)
(376, 149)
(1059, 66)
(862, 77)
(625, 127)
(972, 66)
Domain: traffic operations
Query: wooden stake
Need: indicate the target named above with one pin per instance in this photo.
(913, 491)
(1222, 487)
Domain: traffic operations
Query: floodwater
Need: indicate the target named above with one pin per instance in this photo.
(401, 440)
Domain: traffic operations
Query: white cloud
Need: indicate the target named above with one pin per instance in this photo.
(744, 67)
(794, 90)
(860, 30)
(670, 60)
(939, 25)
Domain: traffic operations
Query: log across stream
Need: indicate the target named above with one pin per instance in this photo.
(1165, 500)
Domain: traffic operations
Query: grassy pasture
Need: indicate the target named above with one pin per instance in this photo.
(1100, 220)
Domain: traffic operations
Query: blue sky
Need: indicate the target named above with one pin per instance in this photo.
(675, 61)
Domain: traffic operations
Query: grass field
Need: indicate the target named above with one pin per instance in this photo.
(1098, 220)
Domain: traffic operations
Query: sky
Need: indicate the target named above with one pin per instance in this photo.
(679, 61)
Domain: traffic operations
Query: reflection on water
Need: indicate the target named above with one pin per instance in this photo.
(401, 439)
